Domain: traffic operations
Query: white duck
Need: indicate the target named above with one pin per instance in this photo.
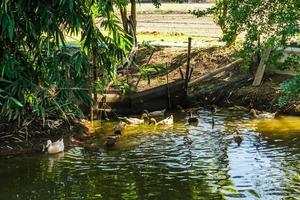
(165, 122)
(263, 115)
(157, 113)
(136, 121)
(55, 147)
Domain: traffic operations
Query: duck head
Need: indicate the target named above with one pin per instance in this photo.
(49, 142)
(122, 124)
(144, 115)
(152, 121)
(214, 108)
(118, 131)
(252, 111)
(180, 108)
(43, 147)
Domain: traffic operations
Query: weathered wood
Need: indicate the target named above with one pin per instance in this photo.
(113, 98)
(158, 91)
(150, 56)
(217, 71)
(261, 67)
(187, 71)
(168, 88)
(190, 75)
(181, 73)
(282, 72)
(105, 109)
(152, 99)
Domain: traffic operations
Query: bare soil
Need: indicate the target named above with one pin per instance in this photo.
(201, 60)
(225, 89)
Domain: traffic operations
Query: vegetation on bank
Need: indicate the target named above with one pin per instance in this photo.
(265, 24)
(41, 78)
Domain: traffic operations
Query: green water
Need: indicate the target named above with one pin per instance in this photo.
(183, 162)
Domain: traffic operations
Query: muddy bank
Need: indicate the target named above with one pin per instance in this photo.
(29, 137)
(234, 87)
(202, 61)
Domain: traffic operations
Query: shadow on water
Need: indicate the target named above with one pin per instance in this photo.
(179, 162)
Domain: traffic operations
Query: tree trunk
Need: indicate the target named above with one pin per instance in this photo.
(123, 12)
(133, 13)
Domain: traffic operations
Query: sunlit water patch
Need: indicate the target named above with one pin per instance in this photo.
(179, 162)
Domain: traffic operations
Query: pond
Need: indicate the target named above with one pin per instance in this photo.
(179, 162)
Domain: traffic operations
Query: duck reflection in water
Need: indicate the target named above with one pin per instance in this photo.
(53, 158)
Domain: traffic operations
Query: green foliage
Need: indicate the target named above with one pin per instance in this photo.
(38, 75)
(125, 88)
(147, 44)
(291, 91)
(263, 24)
(151, 70)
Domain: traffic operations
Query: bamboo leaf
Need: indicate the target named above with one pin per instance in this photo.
(4, 22)
(18, 103)
(10, 28)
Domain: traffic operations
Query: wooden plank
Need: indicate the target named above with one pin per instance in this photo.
(158, 91)
(217, 71)
(261, 67)
(292, 50)
(282, 72)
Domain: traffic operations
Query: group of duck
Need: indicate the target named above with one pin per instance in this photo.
(111, 140)
(238, 137)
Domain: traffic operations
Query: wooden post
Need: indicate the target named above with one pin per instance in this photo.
(262, 66)
(181, 73)
(168, 88)
(187, 72)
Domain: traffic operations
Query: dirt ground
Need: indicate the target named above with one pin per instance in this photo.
(202, 61)
(175, 18)
(228, 88)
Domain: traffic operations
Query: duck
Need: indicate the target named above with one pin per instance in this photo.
(120, 126)
(238, 108)
(191, 119)
(55, 147)
(238, 138)
(111, 140)
(180, 108)
(136, 121)
(214, 109)
(263, 115)
(165, 122)
(155, 113)
(73, 141)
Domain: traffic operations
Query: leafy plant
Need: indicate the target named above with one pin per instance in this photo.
(264, 24)
(291, 91)
(150, 70)
(39, 76)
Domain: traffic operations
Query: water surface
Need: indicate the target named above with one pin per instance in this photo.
(180, 162)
